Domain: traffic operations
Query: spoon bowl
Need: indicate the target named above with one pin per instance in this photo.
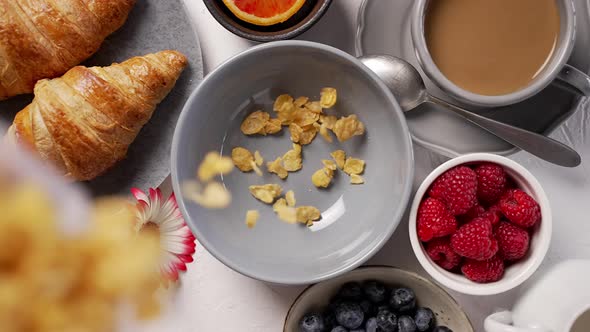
(400, 77)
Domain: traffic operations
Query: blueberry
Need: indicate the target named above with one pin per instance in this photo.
(368, 308)
(387, 321)
(403, 300)
(312, 322)
(442, 329)
(406, 324)
(339, 329)
(349, 315)
(374, 291)
(424, 319)
(371, 325)
(351, 291)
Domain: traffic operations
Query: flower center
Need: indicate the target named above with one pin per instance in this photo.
(151, 228)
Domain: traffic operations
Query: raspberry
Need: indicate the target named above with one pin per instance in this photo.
(520, 208)
(513, 241)
(474, 212)
(484, 271)
(491, 182)
(493, 214)
(434, 220)
(475, 240)
(439, 250)
(457, 188)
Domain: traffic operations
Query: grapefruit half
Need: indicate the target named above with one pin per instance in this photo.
(264, 12)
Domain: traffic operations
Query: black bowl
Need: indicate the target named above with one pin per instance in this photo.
(306, 17)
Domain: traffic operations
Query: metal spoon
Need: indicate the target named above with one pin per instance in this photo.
(407, 86)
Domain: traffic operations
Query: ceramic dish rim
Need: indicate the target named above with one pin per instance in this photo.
(195, 32)
(311, 21)
(406, 192)
(503, 285)
(371, 268)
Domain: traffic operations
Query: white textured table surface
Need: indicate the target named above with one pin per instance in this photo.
(217, 299)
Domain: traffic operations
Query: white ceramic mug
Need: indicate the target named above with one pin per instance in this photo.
(558, 301)
(556, 71)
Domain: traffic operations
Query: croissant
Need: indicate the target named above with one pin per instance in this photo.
(84, 122)
(44, 38)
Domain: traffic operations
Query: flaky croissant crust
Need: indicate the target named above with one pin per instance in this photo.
(44, 38)
(84, 122)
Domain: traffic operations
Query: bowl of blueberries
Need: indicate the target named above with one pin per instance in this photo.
(376, 299)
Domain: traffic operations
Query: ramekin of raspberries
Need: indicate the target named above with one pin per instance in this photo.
(480, 224)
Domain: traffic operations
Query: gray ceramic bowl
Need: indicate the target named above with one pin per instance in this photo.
(356, 220)
(316, 297)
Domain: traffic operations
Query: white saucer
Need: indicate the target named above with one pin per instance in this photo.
(383, 28)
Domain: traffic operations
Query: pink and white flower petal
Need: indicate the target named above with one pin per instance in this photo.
(176, 240)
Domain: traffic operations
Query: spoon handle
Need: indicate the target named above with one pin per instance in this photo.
(541, 146)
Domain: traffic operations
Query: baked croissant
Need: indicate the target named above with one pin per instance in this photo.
(84, 122)
(44, 38)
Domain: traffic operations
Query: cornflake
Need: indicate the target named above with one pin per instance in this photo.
(354, 166)
(300, 102)
(307, 135)
(322, 177)
(339, 157)
(314, 106)
(266, 193)
(296, 132)
(305, 117)
(258, 158)
(328, 120)
(325, 133)
(330, 164)
(356, 179)
(290, 198)
(347, 127)
(286, 117)
(277, 168)
(257, 169)
(283, 103)
(252, 218)
(281, 202)
(214, 196)
(255, 123)
(273, 126)
(214, 164)
(328, 97)
(245, 161)
(307, 214)
(242, 158)
(287, 214)
(292, 159)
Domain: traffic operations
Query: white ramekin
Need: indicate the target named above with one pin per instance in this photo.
(516, 273)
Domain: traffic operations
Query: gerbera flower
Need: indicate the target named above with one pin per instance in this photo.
(163, 217)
